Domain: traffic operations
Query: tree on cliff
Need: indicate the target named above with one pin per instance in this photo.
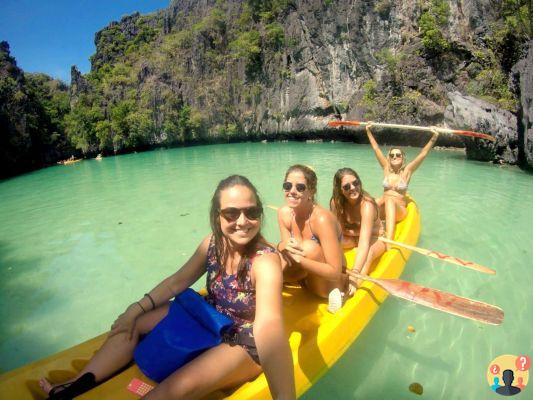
(32, 110)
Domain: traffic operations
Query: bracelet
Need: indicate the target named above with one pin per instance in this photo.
(140, 305)
(151, 300)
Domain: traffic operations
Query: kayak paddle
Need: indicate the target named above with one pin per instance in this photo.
(438, 300)
(441, 256)
(412, 127)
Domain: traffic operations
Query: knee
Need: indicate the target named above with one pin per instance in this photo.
(312, 250)
(183, 388)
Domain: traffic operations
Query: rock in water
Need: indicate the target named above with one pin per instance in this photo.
(416, 388)
(471, 113)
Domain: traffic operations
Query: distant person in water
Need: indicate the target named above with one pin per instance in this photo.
(397, 175)
(508, 390)
(358, 215)
(310, 235)
(244, 282)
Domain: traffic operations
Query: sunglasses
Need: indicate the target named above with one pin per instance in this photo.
(395, 155)
(348, 186)
(232, 214)
(300, 187)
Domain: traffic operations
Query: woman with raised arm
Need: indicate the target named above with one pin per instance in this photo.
(310, 235)
(397, 175)
(358, 215)
(244, 282)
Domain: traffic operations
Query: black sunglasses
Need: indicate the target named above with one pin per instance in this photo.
(395, 155)
(300, 187)
(348, 185)
(232, 214)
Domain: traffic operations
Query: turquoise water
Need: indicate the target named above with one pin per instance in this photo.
(79, 243)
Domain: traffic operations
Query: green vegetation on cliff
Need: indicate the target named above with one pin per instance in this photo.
(32, 112)
(239, 69)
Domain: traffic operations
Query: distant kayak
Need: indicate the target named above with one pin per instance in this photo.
(317, 338)
(67, 162)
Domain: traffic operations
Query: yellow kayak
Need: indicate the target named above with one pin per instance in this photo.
(317, 338)
(67, 162)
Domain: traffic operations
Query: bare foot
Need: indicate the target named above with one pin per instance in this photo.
(47, 387)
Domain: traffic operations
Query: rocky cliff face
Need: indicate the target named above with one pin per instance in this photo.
(32, 107)
(523, 83)
(283, 68)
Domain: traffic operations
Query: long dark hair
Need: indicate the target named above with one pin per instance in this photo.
(309, 175)
(221, 244)
(339, 200)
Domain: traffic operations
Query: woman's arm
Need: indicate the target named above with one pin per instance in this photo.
(189, 273)
(413, 165)
(270, 338)
(284, 215)
(368, 216)
(379, 155)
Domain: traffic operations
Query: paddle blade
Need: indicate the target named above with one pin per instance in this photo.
(443, 301)
(343, 123)
(475, 134)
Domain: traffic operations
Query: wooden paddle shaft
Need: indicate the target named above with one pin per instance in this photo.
(414, 128)
(441, 256)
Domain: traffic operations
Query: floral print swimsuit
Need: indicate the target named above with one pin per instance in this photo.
(234, 299)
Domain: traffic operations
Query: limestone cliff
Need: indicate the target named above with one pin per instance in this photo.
(208, 70)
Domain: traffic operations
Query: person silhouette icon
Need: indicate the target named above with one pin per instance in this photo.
(496, 383)
(520, 383)
(508, 390)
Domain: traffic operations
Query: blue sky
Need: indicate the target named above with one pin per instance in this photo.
(52, 35)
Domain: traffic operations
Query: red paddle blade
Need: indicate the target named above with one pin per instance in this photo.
(443, 301)
(343, 123)
(475, 134)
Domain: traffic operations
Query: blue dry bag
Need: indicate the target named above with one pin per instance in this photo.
(191, 327)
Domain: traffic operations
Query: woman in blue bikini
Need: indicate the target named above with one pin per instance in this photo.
(397, 175)
(310, 235)
(244, 282)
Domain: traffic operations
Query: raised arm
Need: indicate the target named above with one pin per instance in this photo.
(413, 165)
(270, 338)
(368, 216)
(379, 155)
(189, 273)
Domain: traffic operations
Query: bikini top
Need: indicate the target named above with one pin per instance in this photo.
(401, 186)
(357, 225)
(313, 236)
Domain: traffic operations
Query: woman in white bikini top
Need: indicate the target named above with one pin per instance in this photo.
(393, 203)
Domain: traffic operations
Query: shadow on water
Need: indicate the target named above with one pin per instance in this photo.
(21, 296)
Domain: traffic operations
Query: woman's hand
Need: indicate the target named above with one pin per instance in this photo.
(294, 250)
(353, 278)
(125, 322)
(435, 132)
(369, 125)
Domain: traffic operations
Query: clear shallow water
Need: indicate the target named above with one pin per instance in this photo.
(79, 243)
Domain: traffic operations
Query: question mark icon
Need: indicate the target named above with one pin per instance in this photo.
(523, 363)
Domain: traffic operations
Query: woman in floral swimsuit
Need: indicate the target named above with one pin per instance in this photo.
(244, 281)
